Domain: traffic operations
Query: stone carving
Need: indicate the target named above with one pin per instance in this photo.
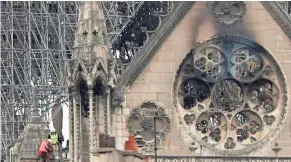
(141, 122)
(210, 62)
(194, 91)
(228, 95)
(268, 72)
(269, 119)
(117, 98)
(239, 97)
(229, 12)
(212, 124)
(245, 64)
(265, 94)
(229, 143)
(189, 119)
(193, 148)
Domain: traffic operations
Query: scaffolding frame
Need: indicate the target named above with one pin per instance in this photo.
(37, 40)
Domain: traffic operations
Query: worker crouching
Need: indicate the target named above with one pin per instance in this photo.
(44, 150)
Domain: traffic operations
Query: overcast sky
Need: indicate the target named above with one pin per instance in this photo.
(65, 124)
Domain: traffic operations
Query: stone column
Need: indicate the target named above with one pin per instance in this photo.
(76, 130)
(92, 125)
(118, 130)
(71, 125)
(108, 107)
(101, 105)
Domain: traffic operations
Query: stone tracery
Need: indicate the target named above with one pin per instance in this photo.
(141, 122)
(228, 12)
(241, 87)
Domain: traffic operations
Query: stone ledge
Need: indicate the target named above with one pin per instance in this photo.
(225, 158)
(123, 153)
(132, 153)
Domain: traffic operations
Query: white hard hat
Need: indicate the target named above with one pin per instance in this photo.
(53, 130)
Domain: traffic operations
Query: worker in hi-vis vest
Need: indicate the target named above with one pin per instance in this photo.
(56, 142)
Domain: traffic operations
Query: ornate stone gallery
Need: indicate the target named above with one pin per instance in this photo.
(228, 12)
(230, 95)
(141, 122)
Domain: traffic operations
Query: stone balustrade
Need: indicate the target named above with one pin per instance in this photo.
(217, 159)
(212, 159)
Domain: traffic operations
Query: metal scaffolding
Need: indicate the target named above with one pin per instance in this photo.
(36, 40)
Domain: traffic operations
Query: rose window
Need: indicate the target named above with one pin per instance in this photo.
(230, 96)
(147, 121)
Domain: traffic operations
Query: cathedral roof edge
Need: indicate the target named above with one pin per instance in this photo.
(279, 16)
(148, 51)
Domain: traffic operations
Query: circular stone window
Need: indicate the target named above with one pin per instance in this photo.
(230, 94)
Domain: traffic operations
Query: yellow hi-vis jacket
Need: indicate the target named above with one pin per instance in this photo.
(54, 138)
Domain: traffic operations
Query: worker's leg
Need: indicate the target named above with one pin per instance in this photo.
(43, 156)
(56, 151)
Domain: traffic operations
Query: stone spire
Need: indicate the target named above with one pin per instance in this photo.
(33, 134)
(88, 78)
(91, 44)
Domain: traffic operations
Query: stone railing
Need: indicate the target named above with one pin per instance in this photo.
(218, 159)
(204, 158)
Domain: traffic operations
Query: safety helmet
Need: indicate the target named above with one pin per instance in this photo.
(53, 130)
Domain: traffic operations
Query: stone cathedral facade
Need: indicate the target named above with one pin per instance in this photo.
(215, 75)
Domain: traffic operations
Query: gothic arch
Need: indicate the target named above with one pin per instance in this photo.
(99, 86)
(80, 70)
(99, 68)
(230, 95)
(79, 77)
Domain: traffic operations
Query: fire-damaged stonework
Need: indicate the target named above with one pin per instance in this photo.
(235, 92)
(209, 80)
(224, 88)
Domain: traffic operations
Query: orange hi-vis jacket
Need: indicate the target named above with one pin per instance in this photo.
(43, 147)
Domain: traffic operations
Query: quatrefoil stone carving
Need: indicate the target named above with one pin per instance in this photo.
(228, 12)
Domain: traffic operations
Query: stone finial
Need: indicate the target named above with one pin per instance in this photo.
(34, 108)
(34, 133)
(91, 44)
(91, 27)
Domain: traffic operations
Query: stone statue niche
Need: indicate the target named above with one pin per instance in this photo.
(83, 97)
(100, 104)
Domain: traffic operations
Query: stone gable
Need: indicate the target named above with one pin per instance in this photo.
(155, 83)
